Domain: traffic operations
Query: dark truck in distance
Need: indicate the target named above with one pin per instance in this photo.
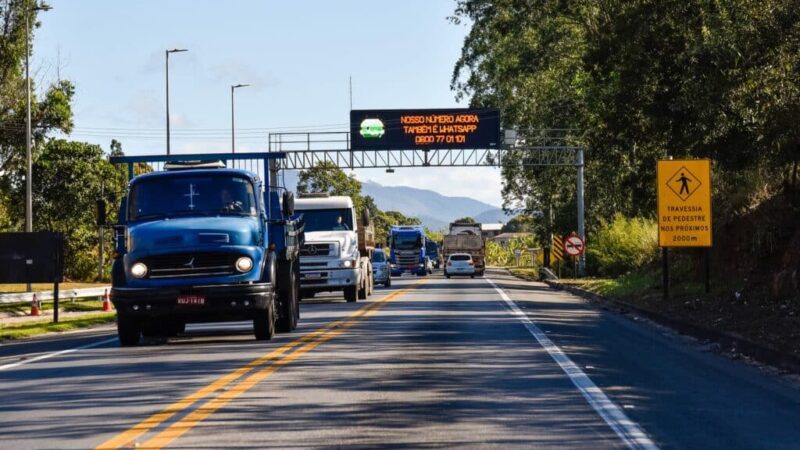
(199, 244)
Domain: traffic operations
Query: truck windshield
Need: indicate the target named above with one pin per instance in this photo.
(161, 197)
(406, 241)
(328, 219)
(378, 257)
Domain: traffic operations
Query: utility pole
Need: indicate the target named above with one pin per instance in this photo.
(166, 54)
(581, 224)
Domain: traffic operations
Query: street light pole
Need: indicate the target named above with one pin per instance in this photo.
(166, 54)
(233, 121)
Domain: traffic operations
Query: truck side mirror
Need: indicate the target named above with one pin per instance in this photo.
(101, 213)
(288, 204)
(365, 217)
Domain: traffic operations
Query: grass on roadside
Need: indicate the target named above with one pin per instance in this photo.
(30, 329)
(36, 287)
(65, 305)
(526, 273)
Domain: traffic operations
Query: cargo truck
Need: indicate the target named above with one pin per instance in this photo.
(407, 250)
(465, 237)
(198, 242)
(337, 253)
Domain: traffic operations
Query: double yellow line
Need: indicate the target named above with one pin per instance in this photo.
(266, 365)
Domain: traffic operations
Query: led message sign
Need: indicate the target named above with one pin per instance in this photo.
(401, 129)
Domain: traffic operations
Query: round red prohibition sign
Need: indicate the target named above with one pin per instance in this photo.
(574, 245)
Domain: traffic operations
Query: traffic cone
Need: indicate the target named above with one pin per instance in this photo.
(106, 301)
(35, 306)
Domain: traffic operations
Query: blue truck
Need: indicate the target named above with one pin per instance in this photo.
(199, 242)
(407, 250)
(432, 251)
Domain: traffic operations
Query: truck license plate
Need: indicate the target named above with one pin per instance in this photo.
(191, 300)
(313, 275)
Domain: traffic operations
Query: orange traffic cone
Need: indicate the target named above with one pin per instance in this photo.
(35, 306)
(106, 301)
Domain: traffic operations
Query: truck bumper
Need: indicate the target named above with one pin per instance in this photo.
(399, 270)
(198, 303)
(328, 280)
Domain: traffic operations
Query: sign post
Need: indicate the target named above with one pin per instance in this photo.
(574, 247)
(684, 209)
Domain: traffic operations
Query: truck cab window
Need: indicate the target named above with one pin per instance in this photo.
(164, 197)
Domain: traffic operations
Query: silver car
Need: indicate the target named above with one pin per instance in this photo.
(381, 272)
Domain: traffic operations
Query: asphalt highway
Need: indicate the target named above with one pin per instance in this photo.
(428, 363)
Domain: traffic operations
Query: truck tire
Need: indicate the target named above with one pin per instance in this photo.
(371, 284)
(350, 294)
(264, 322)
(153, 328)
(362, 291)
(388, 282)
(175, 327)
(128, 330)
(287, 303)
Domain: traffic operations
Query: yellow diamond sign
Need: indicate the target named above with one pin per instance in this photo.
(684, 203)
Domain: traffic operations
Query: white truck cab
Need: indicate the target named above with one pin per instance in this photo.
(333, 258)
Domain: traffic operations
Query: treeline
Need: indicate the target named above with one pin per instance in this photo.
(634, 82)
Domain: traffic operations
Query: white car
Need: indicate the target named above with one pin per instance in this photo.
(460, 264)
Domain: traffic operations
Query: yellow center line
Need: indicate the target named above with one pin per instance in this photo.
(311, 340)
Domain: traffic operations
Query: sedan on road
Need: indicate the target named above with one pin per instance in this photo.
(460, 264)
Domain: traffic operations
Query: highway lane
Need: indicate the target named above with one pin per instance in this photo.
(430, 363)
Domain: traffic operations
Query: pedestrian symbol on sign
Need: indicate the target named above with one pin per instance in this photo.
(683, 183)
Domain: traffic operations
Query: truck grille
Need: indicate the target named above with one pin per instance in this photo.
(318, 250)
(408, 259)
(191, 265)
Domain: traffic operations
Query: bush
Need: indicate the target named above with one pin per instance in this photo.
(503, 255)
(623, 245)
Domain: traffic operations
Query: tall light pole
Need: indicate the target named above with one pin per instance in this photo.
(166, 54)
(28, 138)
(233, 122)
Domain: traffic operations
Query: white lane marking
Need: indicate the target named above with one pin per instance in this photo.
(627, 430)
(50, 355)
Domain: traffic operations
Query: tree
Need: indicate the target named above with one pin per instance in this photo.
(326, 177)
(465, 220)
(634, 82)
(69, 177)
(519, 224)
(50, 113)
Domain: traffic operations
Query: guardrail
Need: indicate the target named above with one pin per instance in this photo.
(63, 294)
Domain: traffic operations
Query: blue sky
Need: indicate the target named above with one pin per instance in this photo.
(297, 55)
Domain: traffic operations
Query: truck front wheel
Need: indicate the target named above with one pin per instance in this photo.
(287, 318)
(129, 330)
(350, 294)
(362, 291)
(264, 323)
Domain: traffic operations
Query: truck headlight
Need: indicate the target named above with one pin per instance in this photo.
(244, 264)
(347, 264)
(139, 270)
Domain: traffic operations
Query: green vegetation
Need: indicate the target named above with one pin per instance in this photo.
(29, 329)
(465, 220)
(622, 245)
(68, 177)
(504, 256)
(526, 273)
(11, 288)
(634, 82)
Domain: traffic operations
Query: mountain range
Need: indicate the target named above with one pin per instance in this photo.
(435, 210)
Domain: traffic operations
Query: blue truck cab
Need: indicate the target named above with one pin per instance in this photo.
(200, 244)
(407, 250)
(432, 251)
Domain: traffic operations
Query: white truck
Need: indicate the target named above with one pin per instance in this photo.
(337, 252)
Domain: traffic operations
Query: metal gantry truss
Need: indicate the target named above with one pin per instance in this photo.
(544, 147)
(306, 150)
